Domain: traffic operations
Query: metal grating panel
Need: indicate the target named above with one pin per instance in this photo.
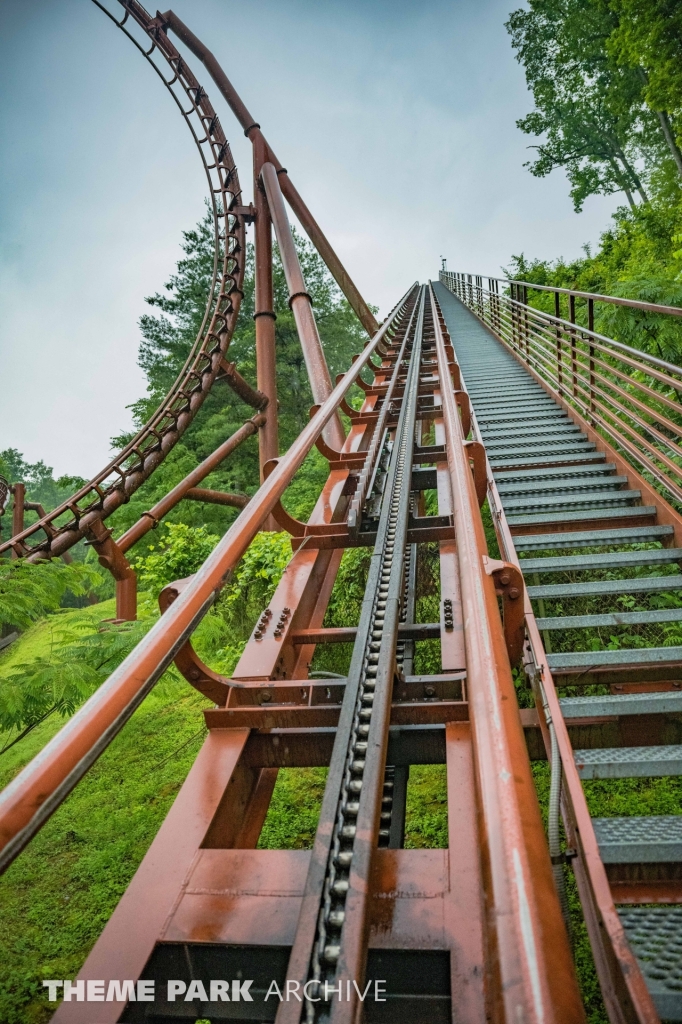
(655, 934)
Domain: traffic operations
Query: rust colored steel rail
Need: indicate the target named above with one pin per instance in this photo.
(253, 132)
(532, 979)
(53, 534)
(473, 933)
(301, 303)
(630, 397)
(39, 789)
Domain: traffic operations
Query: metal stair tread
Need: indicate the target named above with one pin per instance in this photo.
(652, 617)
(654, 934)
(594, 588)
(640, 839)
(658, 702)
(592, 538)
(629, 762)
(630, 512)
(574, 500)
(598, 480)
(503, 478)
(623, 656)
(602, 560)
(550, 461)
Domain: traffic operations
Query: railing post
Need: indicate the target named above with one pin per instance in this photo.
(590, 327)
(524, 299)
(574, 350)
(559, 368)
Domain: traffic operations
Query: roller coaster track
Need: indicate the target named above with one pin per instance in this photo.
(476, 395)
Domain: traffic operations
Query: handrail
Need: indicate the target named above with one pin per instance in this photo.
(615, 300)
(30, 799)
(630, 397)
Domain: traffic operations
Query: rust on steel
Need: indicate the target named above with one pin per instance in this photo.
(252, 130)
(301, 304)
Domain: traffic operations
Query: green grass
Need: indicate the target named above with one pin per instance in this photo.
(60, 892)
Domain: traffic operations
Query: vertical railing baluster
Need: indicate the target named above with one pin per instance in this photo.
(590, 327)
(574, 348)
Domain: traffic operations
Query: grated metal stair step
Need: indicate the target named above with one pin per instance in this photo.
(629, 762)
(655, 934)
(603, 560)
(492, 435)
(546, 485)
(548, 518)
(578, 500)
(544, 442)
(651, 617)
(550, 461)
(541, 449)
(661, 702)
(592, 538)
(655, 839)
(559, 473)
(624, 656)
(545, 415)
(594, 588)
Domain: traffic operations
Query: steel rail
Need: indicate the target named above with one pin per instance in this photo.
(109, 489)
(253, 132)
(330, 946)
(615, 300)
(571, 326)
(36, 792)
(623, 986)
(301, 304)
(527, 961)
(150, 520)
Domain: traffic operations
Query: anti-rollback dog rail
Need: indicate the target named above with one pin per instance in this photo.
(474, 932)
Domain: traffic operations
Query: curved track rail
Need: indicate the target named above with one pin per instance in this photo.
(60, 529)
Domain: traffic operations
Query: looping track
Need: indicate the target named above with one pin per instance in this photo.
(56, 532)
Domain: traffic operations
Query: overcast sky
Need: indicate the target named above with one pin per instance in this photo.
(395, 119)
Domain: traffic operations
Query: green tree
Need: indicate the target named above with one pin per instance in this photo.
(168, 333)
(648, 38)
(589, 92)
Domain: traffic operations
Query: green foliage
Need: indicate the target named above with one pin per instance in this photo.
(29, 591)
(179, 553)
(607, 107)
(82, 657)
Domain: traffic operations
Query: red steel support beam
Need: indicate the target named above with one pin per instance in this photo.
(217, 497)
(41, 787)
(264, 315)
(533, 980)
(18, 493)
(301, 304)
(112, 558)
(252, 131)
(150, 520)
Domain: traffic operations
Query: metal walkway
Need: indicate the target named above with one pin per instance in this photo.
(585, 540)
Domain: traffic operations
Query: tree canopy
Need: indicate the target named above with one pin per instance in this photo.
(606, 81)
